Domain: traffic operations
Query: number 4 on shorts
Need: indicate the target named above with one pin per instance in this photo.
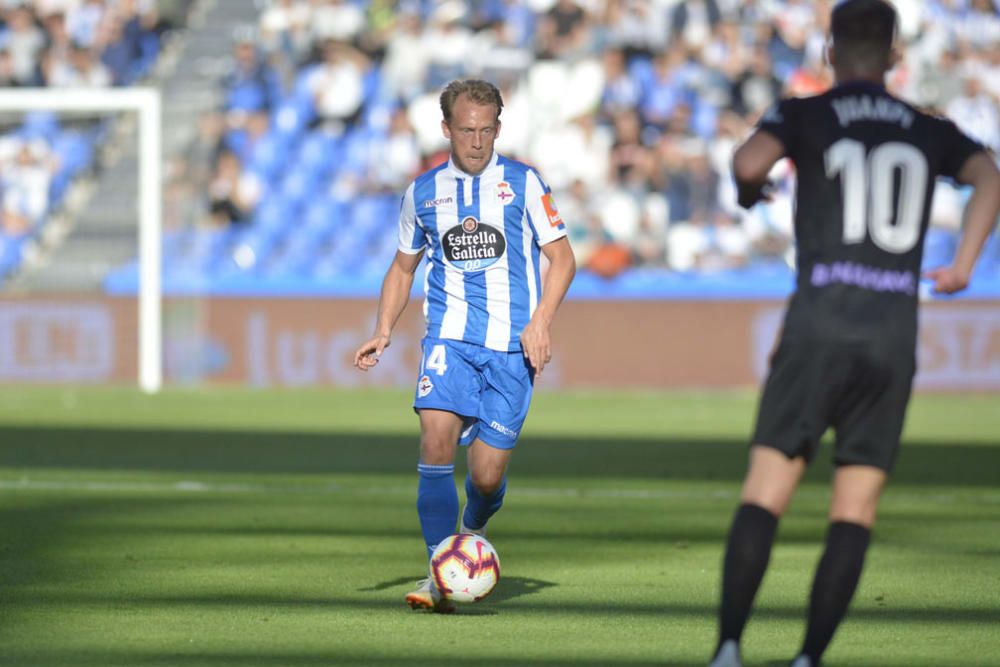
(436, 360)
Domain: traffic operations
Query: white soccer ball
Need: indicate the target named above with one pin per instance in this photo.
(465, 567)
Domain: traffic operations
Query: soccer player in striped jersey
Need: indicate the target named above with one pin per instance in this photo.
(484, 221)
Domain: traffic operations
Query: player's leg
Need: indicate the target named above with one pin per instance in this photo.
(856, 491)
(447, 387)
(504, 402)
(485, 485)
(789, 422)
(437, 496)
(869, 421)
(767, 490)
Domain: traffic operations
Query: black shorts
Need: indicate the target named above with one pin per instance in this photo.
(860, 388)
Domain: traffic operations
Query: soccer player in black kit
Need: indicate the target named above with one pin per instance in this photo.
(866, 164)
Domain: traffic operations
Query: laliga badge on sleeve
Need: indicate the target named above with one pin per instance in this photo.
(551, 211)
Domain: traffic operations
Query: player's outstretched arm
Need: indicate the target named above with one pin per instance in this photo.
(536, 341)
(752, 162)
(979, 219)
(395, 294)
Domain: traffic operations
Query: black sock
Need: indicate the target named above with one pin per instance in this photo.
(836, 578)
(747, 553)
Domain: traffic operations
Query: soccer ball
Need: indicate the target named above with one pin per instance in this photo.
(465, 567)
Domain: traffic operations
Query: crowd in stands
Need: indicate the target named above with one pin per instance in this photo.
(60, 43)
(629, 108)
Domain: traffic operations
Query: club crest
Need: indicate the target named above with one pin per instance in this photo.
(504, 193)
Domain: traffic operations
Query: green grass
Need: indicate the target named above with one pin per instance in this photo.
(246, 528)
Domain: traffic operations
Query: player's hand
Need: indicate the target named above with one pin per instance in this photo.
(367, 355)
(536, 344)
(749, 194)
(948, 279)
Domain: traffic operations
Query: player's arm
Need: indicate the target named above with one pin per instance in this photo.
(978, 220)
(752, 162)
(395, 294)
(536, 341)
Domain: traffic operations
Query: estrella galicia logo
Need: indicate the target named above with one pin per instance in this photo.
(473, 245)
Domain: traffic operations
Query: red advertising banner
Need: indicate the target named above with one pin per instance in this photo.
(310, 342)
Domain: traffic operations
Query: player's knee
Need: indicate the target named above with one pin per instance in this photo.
(862, 515)
(487, 482)
(436, 449)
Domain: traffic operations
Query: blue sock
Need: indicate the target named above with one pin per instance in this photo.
(437, 503)
(480, 508)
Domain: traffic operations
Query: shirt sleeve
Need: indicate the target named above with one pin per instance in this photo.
(412, 238)
(958, 148)
(540, 207)
(779, 121)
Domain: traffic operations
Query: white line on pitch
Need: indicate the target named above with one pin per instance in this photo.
(196, 487)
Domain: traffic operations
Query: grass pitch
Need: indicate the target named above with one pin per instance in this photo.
(242, 528)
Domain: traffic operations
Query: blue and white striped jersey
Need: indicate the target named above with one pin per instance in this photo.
(483, 236)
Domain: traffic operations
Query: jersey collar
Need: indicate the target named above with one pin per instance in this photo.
(461, 174)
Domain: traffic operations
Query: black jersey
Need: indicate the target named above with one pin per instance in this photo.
(866, 165)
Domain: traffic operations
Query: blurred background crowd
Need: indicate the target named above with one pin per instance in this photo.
(630, 109)
(61, 43)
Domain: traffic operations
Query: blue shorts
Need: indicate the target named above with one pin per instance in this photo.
(491, 390)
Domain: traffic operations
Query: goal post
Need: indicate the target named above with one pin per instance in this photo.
(146, 103)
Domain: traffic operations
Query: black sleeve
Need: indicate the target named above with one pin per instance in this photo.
(780, 120)
(958, 148)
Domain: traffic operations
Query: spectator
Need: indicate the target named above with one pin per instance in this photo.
(336, 20)
(82, 70)
(563, 32)
(232, 192)
(25, 184)
(251, 85)
(25, 41)
(757, 87)
(337, 85)
(395, 159)
(976, 114)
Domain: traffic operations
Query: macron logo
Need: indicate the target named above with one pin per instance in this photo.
(500, 428)
(431, 203)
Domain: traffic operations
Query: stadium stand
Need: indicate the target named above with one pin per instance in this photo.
(61, 43)
(631, 109)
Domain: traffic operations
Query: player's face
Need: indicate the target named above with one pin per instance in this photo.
(472, 131)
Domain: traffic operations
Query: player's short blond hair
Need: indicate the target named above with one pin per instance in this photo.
(478, 91)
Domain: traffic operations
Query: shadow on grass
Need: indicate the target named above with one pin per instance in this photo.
(508, 589)
(260, 659)
(335, 659)
(329, 659)
(286, 452)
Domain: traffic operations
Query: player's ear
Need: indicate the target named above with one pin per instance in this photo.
(895, 57)
(445, 129)
(497, 132)
(828, 51)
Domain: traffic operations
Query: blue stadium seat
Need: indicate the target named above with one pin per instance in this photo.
(39, 125)
(989, 260)
(939, 247)
(274, 214)
(326, 215)
(299, 186)
(205, 247)
(291, 117)
(75, 150)
(269, 156)
(10, 252)
(319, 152)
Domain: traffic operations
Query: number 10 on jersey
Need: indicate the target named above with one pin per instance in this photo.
(868, 189)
